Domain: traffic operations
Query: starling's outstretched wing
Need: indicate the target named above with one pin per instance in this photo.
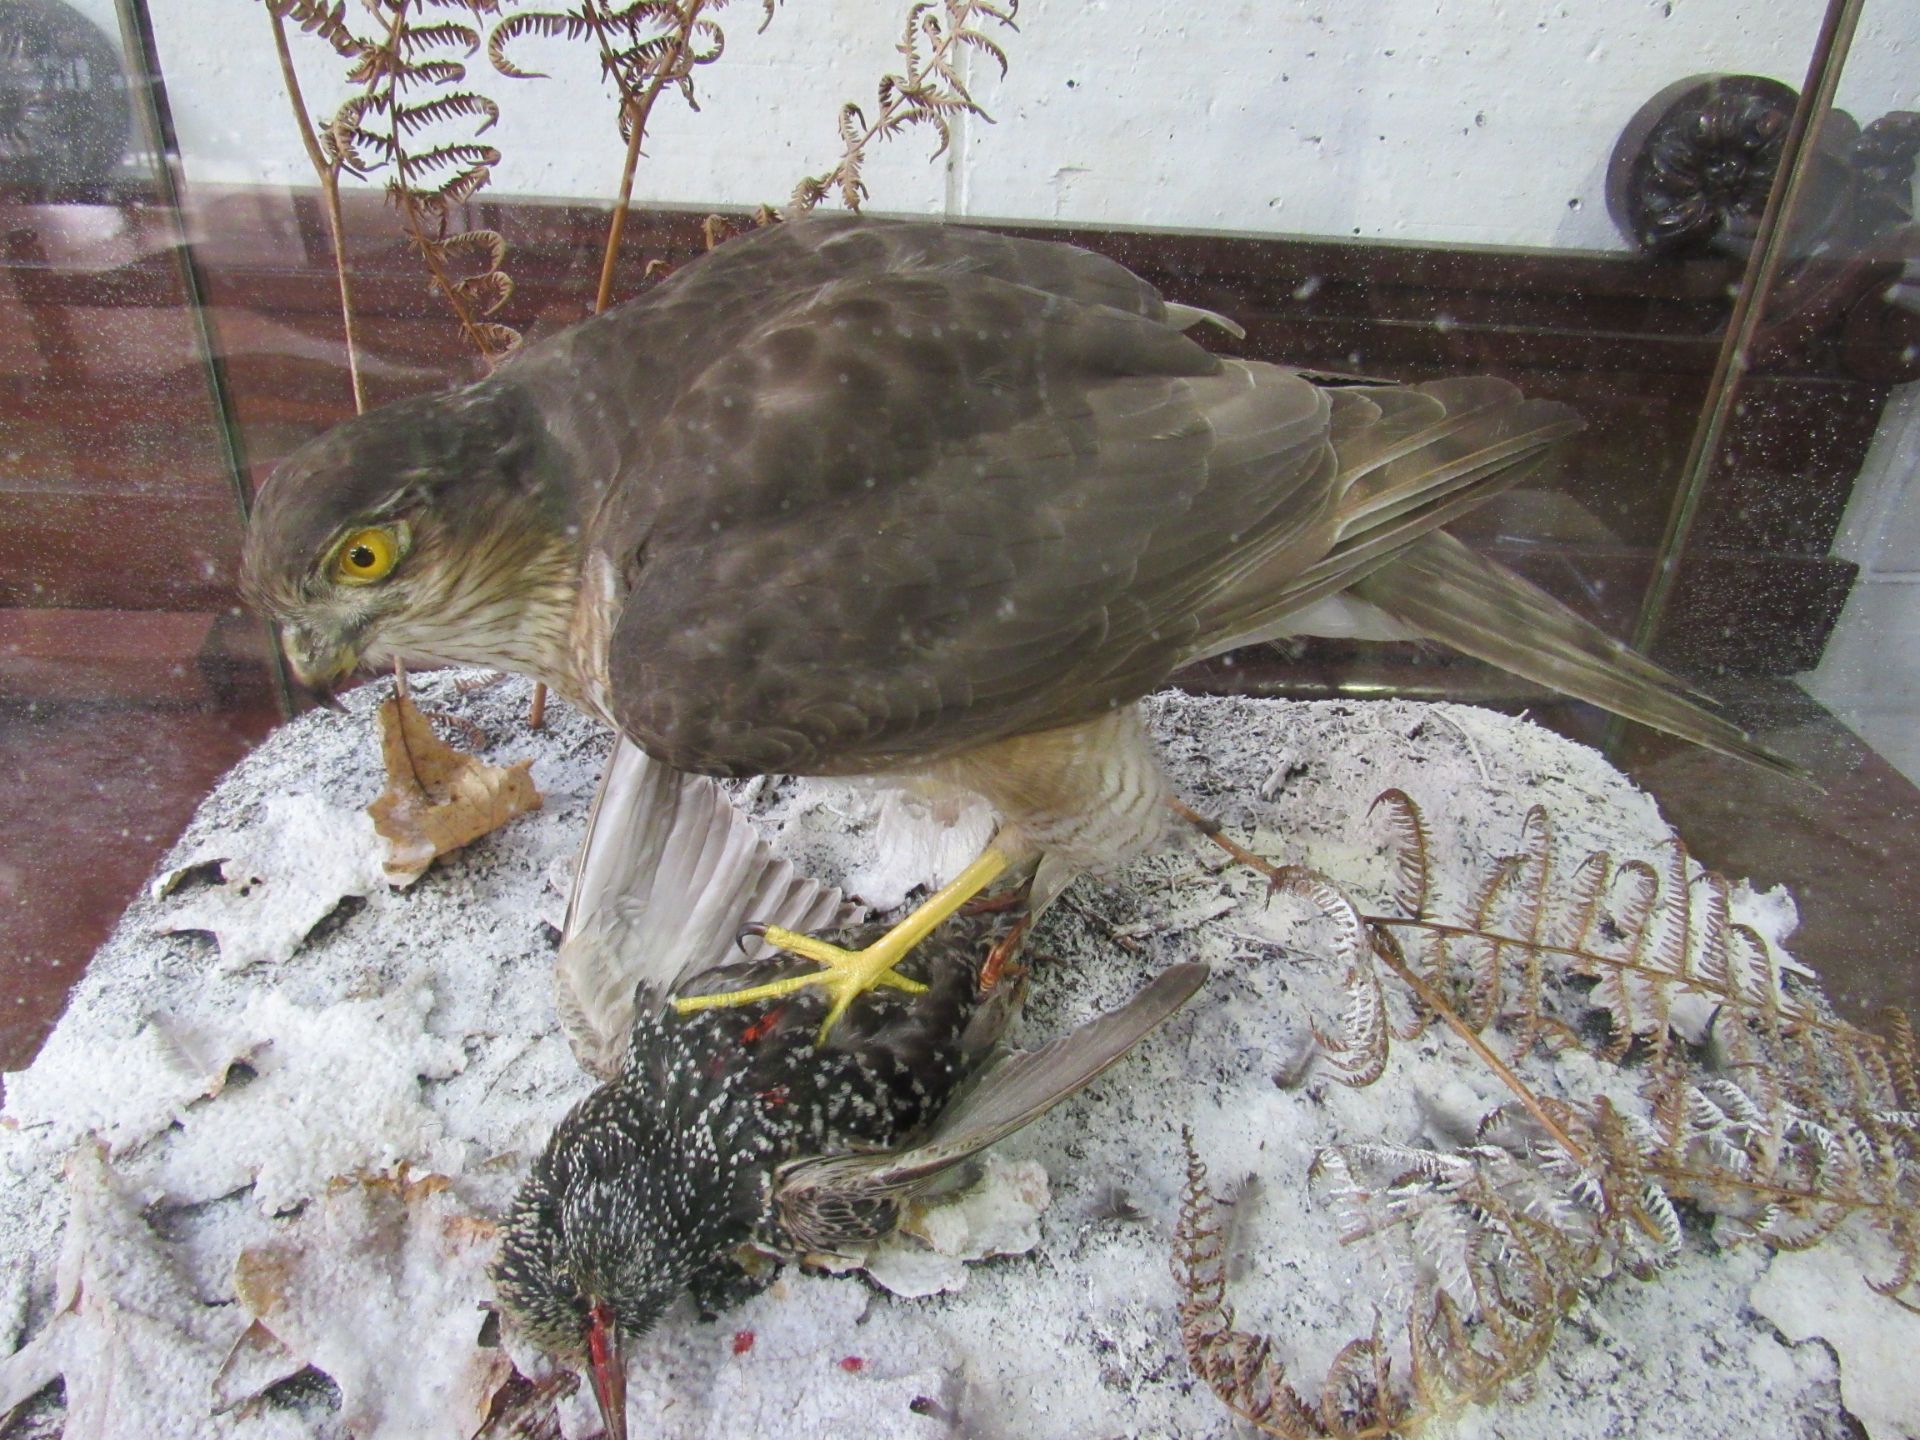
(832, 1202)
(668, 873)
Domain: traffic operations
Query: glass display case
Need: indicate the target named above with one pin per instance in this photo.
(1691, 222)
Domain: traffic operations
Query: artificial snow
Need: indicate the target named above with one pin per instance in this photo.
(274, 1058)
(279, 876)
(1823, 1293)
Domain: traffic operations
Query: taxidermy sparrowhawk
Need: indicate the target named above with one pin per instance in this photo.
(738, 1129)
(853, 496)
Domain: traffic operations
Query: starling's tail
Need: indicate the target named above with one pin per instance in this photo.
(668, 873)
(1444, 590)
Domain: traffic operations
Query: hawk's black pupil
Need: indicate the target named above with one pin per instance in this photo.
(361, 557)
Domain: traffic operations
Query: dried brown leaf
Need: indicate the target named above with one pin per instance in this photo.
(438, 798)
(128, 1331)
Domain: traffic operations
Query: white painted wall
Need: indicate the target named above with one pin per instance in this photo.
(1870, 674)
(1442, 120)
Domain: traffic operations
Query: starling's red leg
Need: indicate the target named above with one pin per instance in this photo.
(1003, 950)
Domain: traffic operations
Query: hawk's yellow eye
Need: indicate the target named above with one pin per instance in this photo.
(366, 556)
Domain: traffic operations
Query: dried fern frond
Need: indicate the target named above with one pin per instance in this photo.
(1359, 1398)
(407, 76)
(316, 17)
(642, 44)
(1755, 1105)
(1792, 1162)
(1657, 943)
(931, 93)
(1792, 1124)
(1407, 836)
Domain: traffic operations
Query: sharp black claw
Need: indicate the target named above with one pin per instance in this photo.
(752, 928)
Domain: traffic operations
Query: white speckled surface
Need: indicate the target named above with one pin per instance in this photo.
(417, 1026)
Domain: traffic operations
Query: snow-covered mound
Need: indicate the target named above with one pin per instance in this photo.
(249, 1181)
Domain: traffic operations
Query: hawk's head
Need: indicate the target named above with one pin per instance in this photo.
(435, 530)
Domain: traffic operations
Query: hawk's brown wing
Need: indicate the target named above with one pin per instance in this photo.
(909, 513)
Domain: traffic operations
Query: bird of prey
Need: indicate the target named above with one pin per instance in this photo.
(737, 1127)
(851, 496)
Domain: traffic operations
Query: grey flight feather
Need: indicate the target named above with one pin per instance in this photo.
(862, 1191)
(1447, 592)
(668, 873)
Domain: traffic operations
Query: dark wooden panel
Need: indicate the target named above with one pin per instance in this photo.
(95, 552)
(1744, 613)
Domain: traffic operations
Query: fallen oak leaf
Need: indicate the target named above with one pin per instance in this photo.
(438, 798)
(137, 1347)
(158, 1075)
(290, 1130)
(261, 889)
(379, 1285)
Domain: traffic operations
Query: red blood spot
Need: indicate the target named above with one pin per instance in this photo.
(757, 1031)
(742, 1341)
(853, 1364)
(776, 1096)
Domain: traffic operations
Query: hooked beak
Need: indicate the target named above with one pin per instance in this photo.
(607, 1367)
(318, 664)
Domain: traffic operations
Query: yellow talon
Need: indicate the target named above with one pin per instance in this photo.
(849, 973)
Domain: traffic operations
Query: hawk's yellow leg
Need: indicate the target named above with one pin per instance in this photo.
(850, 972)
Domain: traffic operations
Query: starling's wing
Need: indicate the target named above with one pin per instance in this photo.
(1445, 591)
(668, 873)
(833, 1201)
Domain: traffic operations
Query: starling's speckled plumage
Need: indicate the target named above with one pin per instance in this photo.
(652, 1183)
(740, 1127)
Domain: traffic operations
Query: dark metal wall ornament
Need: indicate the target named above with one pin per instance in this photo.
(65, 114)
(1690, 174)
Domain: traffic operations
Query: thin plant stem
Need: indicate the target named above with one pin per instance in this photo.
(329, 177)
(1437, 1003)
(604, 296)
(638, 112)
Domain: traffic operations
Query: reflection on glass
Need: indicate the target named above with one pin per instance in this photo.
(129, 675)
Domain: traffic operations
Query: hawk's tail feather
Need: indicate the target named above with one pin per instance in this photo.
(1408, 460)
(1444, 590)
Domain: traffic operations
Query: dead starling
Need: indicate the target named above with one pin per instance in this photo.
(726, 1131)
